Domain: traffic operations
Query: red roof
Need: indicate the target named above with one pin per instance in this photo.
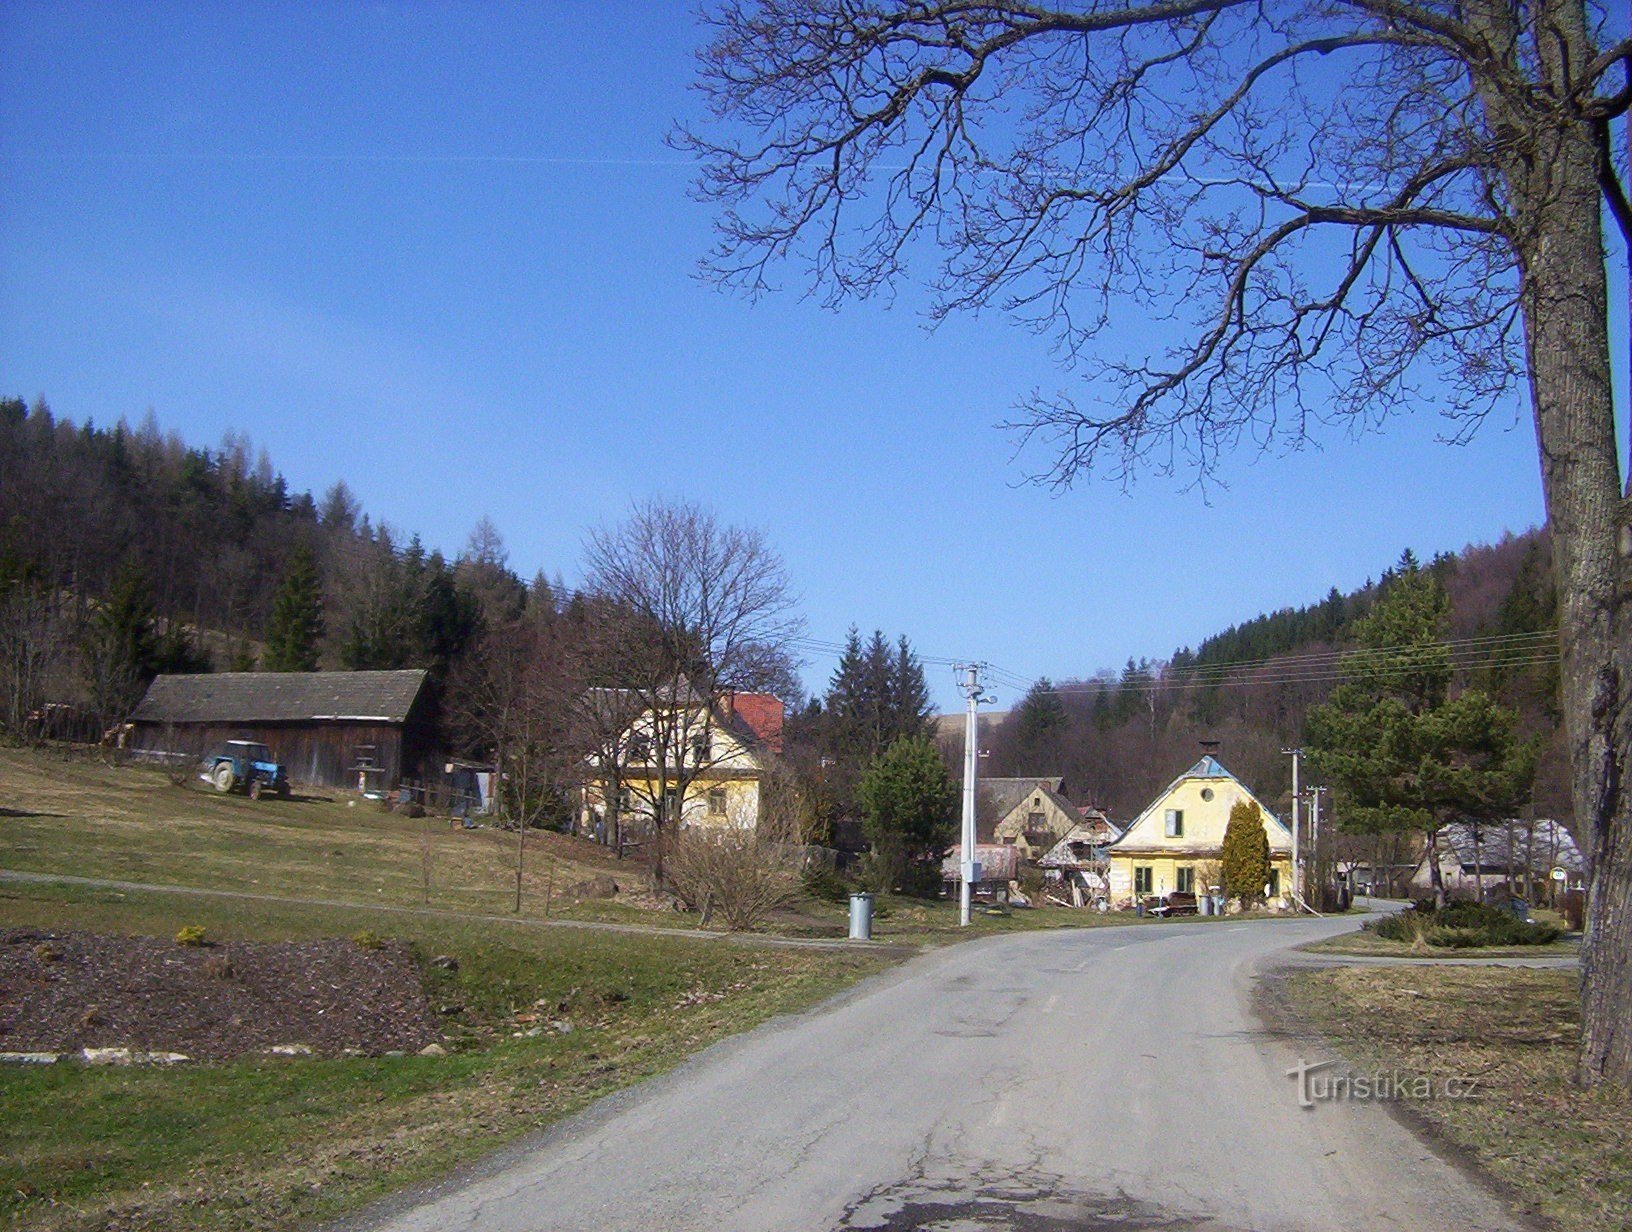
(762, 714)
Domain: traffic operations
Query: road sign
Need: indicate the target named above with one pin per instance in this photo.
(1560, 875)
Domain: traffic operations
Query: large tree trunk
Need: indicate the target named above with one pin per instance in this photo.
(1565, 298)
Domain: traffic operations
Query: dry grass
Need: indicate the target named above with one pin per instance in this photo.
(129, 823)
(1567, 1151)
(1369, 945)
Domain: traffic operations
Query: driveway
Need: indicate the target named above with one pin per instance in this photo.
(1066, 1081)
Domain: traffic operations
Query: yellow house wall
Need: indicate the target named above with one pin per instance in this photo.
(1012, 828)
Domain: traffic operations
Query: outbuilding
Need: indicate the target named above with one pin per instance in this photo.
(366, 730)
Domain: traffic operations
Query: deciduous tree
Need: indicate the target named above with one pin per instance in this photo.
(1350, 210)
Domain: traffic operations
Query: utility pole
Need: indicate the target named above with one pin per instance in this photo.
(1314, 821)
(973, 694)
(1297, 864)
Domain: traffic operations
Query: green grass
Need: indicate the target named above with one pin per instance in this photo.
(1566, 1151)
(272, 1142)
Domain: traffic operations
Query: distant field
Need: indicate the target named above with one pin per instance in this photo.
(131, 823)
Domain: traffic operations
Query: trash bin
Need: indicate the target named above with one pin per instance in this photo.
(1205, 902)
(1519, 908)
(861, 917)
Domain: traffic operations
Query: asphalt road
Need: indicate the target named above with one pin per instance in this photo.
(1069, 1081)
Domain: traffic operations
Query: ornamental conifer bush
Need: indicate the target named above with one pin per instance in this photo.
(1246, 854)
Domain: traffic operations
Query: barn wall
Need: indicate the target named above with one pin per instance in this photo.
(319, 754)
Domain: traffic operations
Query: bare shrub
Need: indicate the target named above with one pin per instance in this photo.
(743, 868)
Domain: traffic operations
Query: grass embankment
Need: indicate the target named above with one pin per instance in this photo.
(1567, 1152)
(275, 1142)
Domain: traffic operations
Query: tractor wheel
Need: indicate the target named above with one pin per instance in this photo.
(223, 777)
(283, 790)
(255, 788)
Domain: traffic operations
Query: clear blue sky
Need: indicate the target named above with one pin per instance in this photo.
(441, 251)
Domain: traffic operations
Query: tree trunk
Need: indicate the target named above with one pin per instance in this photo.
(1564, 294)
(1436, 876)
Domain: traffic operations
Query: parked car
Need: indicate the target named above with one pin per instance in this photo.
(247, 766)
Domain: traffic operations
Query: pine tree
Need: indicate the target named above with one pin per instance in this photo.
(1246, 853)
(294, 635)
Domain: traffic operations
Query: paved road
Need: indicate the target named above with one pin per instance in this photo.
(1070, 1081)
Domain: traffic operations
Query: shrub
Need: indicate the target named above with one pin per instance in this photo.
(367, 940)
(190, 934)
(735, 870)
(1462, 926)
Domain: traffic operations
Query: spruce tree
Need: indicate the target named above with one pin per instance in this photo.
(1402, 751)
(294, 634)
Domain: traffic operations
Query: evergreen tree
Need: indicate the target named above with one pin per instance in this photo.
(1402, 751)
(1041, 714)
(295, 633)
(1246, 853)
(907, 800)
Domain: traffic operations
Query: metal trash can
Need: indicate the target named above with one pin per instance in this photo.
(1205, 902)
(861, 917)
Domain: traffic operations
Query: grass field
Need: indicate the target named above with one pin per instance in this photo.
(130, 823)
(1566, 1152)
(276, 1142)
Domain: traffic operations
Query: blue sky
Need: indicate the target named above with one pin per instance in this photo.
(442, 251)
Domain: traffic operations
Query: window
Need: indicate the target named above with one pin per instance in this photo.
(1187, 880)
(716, 802)
(1141, 879)
(1174, 819)
(1274, 882)
(640, 749)
(699, 747)
(1207, 794)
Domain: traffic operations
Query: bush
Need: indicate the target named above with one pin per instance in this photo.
(190, 934)
(367, 940)
(1462, 926)
(731, 870)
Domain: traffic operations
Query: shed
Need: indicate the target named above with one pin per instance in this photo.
(330, 729)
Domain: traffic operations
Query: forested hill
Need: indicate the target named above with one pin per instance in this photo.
(1120, 736)
(125, 551)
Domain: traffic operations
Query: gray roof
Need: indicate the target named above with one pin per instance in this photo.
(281, 697)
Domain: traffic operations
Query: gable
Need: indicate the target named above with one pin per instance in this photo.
(1040, 809)
(1202, 799)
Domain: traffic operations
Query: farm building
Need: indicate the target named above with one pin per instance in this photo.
(368, 730)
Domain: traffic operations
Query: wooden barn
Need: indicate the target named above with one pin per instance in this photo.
(368, 730)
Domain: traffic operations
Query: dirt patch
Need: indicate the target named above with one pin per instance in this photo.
(62, 991)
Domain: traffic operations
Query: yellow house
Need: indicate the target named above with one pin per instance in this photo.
(725, 752)
(1177, 843)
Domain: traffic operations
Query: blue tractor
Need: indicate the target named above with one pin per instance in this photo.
(247, 766)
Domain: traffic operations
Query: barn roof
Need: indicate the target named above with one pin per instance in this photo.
(281, 697)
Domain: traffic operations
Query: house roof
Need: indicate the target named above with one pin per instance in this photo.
(1550, 844)
(1209, 767)
(281, 697)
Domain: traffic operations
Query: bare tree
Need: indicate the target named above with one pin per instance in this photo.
(706, 611)
(34, 643)
(508, 699)
(1347, 209)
